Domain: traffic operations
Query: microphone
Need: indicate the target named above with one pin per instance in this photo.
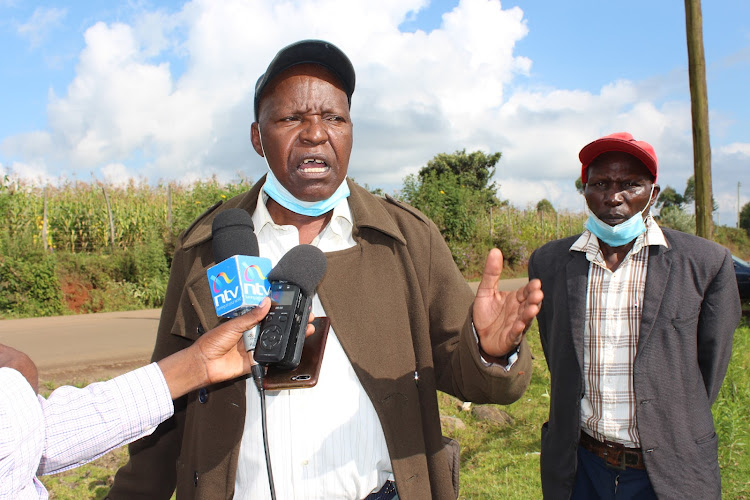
(239, 282)
(293, 283)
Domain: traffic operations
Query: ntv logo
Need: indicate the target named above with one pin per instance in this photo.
(223, 294)
(249, 286)
(251, 283)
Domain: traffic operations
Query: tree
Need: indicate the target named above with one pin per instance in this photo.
(670, 198)
(579, 185)
(455, 191)
(689, 196)
(474, 170)
(545, 206)
(745, 217)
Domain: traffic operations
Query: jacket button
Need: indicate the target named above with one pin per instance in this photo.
(195, 478)
(203, 395)
(200, 331)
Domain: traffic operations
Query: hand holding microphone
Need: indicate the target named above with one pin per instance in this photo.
(242, 279)
(216, 356)
(239, 282)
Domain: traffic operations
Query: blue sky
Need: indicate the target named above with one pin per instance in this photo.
(158, 90)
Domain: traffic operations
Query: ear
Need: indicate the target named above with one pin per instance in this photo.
(255, 138)
(654, 195)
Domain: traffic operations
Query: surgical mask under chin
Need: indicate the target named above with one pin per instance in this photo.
(280, 195)
(283, 197)
(620, 234)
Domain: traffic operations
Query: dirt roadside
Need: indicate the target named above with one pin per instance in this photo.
(91, 347)
(84, 347)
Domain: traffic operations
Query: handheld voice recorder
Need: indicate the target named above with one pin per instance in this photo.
(282, 331)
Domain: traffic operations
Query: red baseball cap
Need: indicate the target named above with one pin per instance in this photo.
(623, 142)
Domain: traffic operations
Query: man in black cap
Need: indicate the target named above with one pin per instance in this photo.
(404, 324)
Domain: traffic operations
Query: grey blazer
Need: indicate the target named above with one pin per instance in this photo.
(691, 309)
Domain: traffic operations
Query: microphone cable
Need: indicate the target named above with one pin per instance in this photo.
(258, 372)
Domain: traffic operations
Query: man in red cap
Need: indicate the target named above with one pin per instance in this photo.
(636, 327)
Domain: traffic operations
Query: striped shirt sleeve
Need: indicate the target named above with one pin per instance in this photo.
(84, 424)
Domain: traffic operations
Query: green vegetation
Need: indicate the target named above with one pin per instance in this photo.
(60, 254)
(745, 218)
(504, 462)
(454, 190)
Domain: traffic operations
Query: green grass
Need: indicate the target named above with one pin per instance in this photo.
(501, 463)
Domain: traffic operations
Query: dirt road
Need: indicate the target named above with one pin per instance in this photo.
(90, 347)
(84, 347)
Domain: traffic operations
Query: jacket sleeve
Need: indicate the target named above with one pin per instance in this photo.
(719, 316)
(151, 472)
(460, 368)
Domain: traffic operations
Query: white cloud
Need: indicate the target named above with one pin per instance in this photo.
(130, 113)
(117, 174)
(33, 173)
(736, 148)
(42, 21)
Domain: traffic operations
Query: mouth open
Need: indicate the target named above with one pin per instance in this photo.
(313, 166)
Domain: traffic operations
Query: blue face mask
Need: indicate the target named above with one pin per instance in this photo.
(283, 197)
(620, 234)
(280, 195)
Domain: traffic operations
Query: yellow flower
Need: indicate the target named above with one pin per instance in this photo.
(197, 202)
(442, 192)
(223, 197)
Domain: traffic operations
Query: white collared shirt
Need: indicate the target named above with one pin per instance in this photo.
(614, 307)
(326, 442)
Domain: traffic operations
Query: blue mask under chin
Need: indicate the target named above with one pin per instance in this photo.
(620, 234)
(280, 195)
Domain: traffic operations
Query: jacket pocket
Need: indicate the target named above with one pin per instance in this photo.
(687, 323)
(453, 450)
(708, 438)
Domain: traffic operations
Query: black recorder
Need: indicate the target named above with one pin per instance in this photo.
(282, 331)
(293, 281)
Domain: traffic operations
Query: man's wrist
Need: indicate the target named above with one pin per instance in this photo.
(184, 371)
(503, 360)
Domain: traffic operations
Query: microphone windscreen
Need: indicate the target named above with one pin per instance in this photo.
(303, 265)
(232, 232)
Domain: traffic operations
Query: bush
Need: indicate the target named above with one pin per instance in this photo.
(736, 240)
(29, 286)
(126, 279)
(676, 218)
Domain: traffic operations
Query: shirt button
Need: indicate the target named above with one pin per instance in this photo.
(305, 462)
(203, 395)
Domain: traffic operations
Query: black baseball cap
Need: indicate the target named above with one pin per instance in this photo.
(319, 52)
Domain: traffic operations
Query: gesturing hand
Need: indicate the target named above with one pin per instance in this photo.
(501, 318)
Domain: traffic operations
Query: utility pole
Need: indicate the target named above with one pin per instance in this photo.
(738, 204)
(699, 109)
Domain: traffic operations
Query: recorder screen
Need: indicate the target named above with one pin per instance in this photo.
(282, 297)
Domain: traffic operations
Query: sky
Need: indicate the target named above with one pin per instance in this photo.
(160, 91)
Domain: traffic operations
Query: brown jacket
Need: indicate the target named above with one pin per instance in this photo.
(401, 310)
